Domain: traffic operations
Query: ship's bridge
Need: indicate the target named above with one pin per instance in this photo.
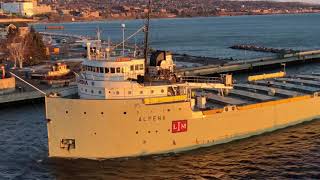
(113, 69)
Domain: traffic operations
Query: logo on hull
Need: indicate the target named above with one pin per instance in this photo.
(179, 126)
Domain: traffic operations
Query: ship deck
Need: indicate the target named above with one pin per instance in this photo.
(263, 91)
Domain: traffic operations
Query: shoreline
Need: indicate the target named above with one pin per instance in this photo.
(158, 18)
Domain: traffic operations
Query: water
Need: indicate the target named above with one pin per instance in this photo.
(292, 153)
(212, 36)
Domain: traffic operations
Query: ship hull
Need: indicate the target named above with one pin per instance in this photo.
(116, 128)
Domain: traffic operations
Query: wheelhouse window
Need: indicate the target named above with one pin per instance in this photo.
(136, 67)
(118, 70)
(141, 67)
(131, 68)
(106, 70)
(101, 70)
(112, 70)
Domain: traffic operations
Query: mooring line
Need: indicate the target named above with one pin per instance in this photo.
(42, 92)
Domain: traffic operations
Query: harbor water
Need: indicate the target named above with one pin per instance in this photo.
(292, 153)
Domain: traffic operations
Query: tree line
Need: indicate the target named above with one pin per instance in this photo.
(25, 50)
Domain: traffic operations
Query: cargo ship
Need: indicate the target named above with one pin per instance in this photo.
(135, 106)
(124, 110)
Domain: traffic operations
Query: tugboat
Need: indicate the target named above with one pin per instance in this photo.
(136, 106)
(57, 70)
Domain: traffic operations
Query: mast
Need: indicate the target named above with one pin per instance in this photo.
(146, 35)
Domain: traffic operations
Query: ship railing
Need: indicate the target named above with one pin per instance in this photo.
(201, 79)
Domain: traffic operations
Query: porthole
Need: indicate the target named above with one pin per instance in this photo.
(152, 91)
(168, 110)
(129, 92)
(67, 112)
(156, 131)
(149, 132)
(102, 113)
(124, 112)
(141, 92)
(162, 91)
(137, 132)
(84, 112)
(117, 92)
(168, 130)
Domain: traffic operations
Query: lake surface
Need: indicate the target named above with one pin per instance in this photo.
(292, 153)
(213, 36)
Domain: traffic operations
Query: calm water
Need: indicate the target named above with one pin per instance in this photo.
(292, 153)
(213, 36)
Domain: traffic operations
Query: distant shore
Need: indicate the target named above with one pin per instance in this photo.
(37, 21)
(164, 17)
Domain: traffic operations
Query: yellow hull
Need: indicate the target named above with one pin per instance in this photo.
(117, 128)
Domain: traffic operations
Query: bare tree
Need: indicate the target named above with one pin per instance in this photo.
(17, 51)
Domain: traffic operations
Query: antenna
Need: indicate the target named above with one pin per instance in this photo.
(108, 49)
(146, 37)
(98, 33)
(135, 48)
(123, 29)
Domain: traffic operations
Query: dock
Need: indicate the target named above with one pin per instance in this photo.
(32, 95)
(63, 35)
(242, 65)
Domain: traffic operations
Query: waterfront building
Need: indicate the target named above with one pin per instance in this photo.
(25, 8)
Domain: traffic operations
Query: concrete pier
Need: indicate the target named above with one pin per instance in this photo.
(242, 65)
(31, 95)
